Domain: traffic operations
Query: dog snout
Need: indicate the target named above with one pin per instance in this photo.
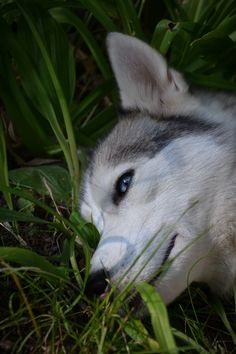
(97, 285)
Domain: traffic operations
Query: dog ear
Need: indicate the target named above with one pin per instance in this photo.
(144, 79)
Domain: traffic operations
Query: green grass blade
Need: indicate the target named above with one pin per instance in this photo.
(211, 81)
(4, 179)
(136, 330)
(92, 99)
(22, 115)
(59, 49)
(129, 18)
(13, 215)
(227, 26)
(219, 309)
(206, 11)
(194, 9)
(159, 318)
(94, 126)
(66, 16)
(222, 10)
(73, 160)
(192, 344)
(35, 88)
(36, 263)
(99, 13)
(176, 11)
(76, 228)
(163, 35)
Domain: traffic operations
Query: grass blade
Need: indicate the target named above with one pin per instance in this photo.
(66, 16)
(4, 179)
(13, 215)
(72, 160)
(31, 259)
(98, 11)
(159, 318)
(129, 17)
(219, 309)
(136, 330)
(189, 341)
(23, 116)
(164, 35)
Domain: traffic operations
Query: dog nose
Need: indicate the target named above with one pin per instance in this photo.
(97, 284)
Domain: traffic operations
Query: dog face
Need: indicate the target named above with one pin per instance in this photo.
(150, 184)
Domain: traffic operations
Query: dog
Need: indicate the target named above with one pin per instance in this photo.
(161, 187)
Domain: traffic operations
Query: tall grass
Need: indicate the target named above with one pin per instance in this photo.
(58, 97)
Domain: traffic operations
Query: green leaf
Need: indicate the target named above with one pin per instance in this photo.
(194, 9)
(13, 215)
(92, 99)
(69, 146)
(86, 230)
(227, 26)
(219, 309)
(4, 179)
(25, 206)
(95, 125)
(129, 17)
(211, 81)
(27, 121)
(192, 344)
(136, 330)
(181, 44)
(177, 12)
(35, 262)
(99, 13)
(55, 41)
(65, 16)
(164, 34)
(159, 318)
(33, 86)
(44, 179)
(221, 11)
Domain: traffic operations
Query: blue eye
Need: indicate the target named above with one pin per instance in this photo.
(122, 185)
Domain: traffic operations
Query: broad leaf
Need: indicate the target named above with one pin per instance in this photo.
(159, 318)
(44, 180)
(35, 262)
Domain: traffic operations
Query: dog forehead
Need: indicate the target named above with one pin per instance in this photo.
(130, 139)
(141, 135)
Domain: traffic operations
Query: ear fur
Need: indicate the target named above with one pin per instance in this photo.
(144, 79)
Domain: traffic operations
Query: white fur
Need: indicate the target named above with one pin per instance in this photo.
(144, 79)
(187, 188)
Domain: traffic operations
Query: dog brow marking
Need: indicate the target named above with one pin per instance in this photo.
(155, 137)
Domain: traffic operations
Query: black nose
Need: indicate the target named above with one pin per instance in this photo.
(97, 284)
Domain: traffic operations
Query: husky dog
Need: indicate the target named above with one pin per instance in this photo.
(161, 187)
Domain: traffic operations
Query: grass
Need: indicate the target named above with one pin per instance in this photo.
(57, 93)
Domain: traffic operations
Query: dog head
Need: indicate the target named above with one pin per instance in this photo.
(147, 185)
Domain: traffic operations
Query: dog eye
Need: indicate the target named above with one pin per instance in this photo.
(122, 185)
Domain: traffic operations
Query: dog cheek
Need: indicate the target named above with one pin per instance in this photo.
(86, 212)
(93, 215)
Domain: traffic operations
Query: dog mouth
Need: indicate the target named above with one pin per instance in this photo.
(165, 258)
(169, 249)
(105, 293)
(135, 299)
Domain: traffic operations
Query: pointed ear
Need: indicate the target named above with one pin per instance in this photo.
(144, 79)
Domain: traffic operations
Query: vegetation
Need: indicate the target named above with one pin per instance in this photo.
(58, 95)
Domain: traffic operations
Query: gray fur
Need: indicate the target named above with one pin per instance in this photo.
(181, 147)
(146, 136)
